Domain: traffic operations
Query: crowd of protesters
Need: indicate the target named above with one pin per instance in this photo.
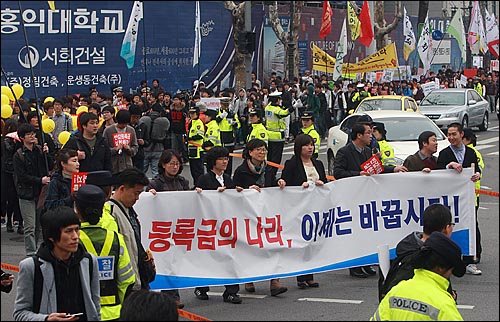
(156, 132)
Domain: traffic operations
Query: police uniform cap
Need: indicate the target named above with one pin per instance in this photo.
(468, 134)
(118, 89)
(210, 112)
(380, 127)
(254, 113)
(101, 178)
(194, 109)
(91, 194)
(225, 100)
(275, 94)
(448, 250)
(307, 116)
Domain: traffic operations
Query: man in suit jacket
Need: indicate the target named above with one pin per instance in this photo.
(458, 156)
(348, 164)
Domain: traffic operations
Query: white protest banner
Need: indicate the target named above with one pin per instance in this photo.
(463, 79)
(220, 238)
(212, 103)
(428, 87)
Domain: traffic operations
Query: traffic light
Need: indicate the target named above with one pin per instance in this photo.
(246, 42)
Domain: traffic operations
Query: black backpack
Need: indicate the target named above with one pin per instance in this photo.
(401, 268)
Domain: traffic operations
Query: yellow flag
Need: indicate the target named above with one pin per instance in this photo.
(381, 60)
(52, 5)
(353, 21)
(322, 61)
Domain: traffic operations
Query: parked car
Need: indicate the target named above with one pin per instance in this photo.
(456, 105)
(402, 128)
(387, 102)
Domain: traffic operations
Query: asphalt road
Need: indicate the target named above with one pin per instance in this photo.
(339, 297)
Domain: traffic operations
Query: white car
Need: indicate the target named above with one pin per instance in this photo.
(403, 129)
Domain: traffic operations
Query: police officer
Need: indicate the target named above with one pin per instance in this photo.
(115, 269)
(360, 95)
(196, 134)
(258, 130)
(212, 130)
(276, 126)
(227, 121)
(425, 297)
(307, 119)
(386, 150)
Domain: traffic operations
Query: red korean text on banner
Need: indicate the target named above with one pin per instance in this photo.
(77, 180)
(123, 138)
(326, 21)
(373, 165)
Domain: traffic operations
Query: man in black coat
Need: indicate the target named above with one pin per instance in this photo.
(348, 163)
(458, 156)
(93, 150)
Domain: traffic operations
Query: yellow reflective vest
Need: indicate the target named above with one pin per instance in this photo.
(115, 270)
(315, 135)
(259, 131)
(386, 153)
(480, 164)
(212, 133)
(275, 122)
(195, 138)
(226, 125)
(421, 298)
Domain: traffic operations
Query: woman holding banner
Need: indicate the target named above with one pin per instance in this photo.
(169, 178)
(251, 174)
(302, 170)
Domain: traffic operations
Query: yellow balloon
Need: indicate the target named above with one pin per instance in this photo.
(64, 137)
(74, 121)
(18, 90)
(48, 99)
(6, 91)
(48, 125)
(5, 99)
(6, 111)
(82, 109)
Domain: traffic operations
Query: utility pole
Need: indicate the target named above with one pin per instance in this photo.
(248, 56)
(291, 45)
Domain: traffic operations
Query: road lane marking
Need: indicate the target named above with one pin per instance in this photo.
(312, 299)
(244, 295)
(465, 307)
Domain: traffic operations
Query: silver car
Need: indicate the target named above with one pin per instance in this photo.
(456, 105)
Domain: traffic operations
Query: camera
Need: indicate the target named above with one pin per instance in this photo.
(5, 276)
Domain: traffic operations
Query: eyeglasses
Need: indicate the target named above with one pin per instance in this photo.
(452, 224)
(174, 164)
(261, 150)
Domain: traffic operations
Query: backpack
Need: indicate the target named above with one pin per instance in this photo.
(158, 126)
(38, 281)
(401, 268)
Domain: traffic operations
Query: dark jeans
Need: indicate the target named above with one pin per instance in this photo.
(196, 168)
(275, 153)
(305, 278)
(10, 201)
(230, 289)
